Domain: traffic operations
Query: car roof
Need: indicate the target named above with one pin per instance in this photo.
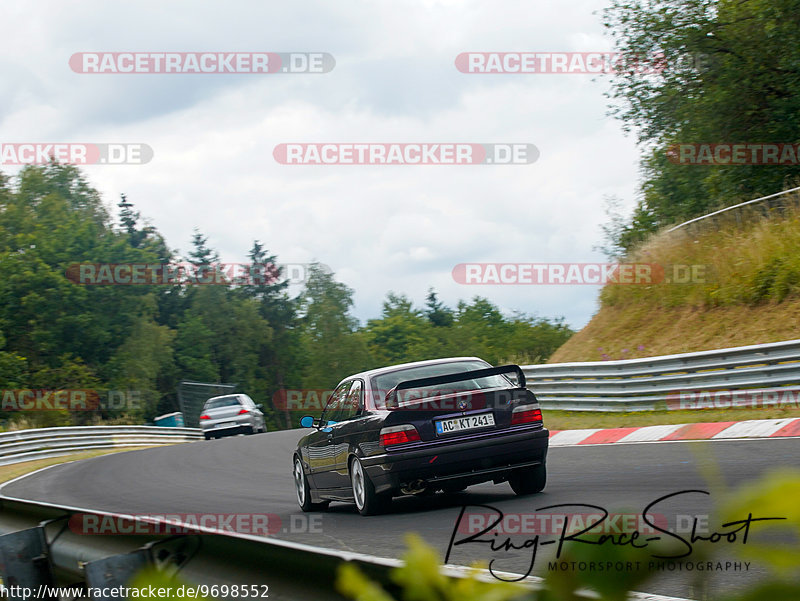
(369, 374)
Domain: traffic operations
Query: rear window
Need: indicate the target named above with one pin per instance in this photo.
(385, 382)
(223, 401)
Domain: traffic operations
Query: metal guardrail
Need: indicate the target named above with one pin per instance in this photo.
(43, 544)
(40, 443)
(658, 382)
(732, 208)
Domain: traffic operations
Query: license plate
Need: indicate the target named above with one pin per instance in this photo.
(225, 425)
(468, 422)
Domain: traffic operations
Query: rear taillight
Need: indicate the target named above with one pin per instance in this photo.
(398, 435)
(526, 414)
(243, 411)
(204, 416)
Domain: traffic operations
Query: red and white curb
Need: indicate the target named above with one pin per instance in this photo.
(754, 428)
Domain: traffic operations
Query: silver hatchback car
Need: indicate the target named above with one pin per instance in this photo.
(231, 414)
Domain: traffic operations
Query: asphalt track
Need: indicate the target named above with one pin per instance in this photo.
(252, 474)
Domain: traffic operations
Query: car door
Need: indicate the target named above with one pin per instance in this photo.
(321, 450)
(345, 433)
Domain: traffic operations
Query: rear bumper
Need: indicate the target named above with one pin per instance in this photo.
(478, 460)
(244, 427)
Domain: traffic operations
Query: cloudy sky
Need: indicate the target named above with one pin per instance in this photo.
(380, 228)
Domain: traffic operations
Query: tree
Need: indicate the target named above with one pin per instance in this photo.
(399, 336)
(130, 221)
(194, 351)
(145, 355)
(201, 253)
(283, 360)
(437, 313)
(720, 71)
(333, 347)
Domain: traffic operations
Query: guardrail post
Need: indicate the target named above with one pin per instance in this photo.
(114, 571)
(25, 564)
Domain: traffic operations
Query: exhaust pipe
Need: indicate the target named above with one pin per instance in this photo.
(414, 488)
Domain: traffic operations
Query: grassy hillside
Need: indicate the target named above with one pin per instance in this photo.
(747, 292)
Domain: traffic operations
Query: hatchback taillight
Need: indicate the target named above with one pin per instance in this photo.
(398, 435)
(243, 411)
(526, 414)
(204, 416)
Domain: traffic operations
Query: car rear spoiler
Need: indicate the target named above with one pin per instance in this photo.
(459, 377)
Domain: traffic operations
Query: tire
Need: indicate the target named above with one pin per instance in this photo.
(302, 489)
(528, 480)
(367, 501)
(207, 436)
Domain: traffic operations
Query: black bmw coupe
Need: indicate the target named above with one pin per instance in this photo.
(422, 427)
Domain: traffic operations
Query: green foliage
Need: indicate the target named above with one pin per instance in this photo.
(333, 346)
(476, 328)
(193, 347)
(13, 368)
(421, 580)
(437, 313)
(777, 494)
(136, 365)
(727, 72)
(402, 332)
(749, 263)
(167, 582)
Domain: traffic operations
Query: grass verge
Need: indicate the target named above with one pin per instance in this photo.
(744, 288)
(9, 472)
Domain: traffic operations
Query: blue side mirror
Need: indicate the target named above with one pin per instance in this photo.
(307, 421)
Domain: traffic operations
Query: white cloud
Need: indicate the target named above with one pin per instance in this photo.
(400, 228)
